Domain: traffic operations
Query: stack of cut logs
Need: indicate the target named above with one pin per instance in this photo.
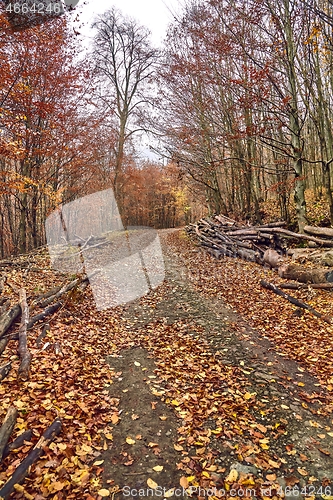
(265, 244)
(268, 245)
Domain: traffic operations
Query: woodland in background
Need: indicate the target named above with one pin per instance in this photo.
(238, 103)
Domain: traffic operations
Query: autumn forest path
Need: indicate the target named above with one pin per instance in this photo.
(220, 403)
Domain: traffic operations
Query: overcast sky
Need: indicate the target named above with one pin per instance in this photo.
(154, 14)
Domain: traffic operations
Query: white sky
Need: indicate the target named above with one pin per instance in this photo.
(154, 14)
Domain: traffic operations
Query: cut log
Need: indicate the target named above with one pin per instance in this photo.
(59, 293)
(8, 318)
(6, 428)
(48, 311)
(272, 258)
(305, 275)
(299, 286)
(3, 344)
(4, 370)
(293, 300)
(22, 470)
(25, 354)
(323, 232)
(17, 443)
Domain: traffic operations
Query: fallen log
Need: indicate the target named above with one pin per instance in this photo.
(305, 275)
(299, 286)
(59, 293)
(25, 354)
(17, 443)
(272, 258)
(47, 312)
(293, 300)
(3, 344)
(23, 469)
(6, 428)
(323, 232)
(8, 318)
(4, 370)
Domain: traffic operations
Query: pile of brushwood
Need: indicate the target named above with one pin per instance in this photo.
(272, 245)
(15, 322)
(222, 236)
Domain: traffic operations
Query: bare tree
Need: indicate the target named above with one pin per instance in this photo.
(125, 64)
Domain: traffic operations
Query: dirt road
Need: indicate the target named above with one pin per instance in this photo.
(204, 406)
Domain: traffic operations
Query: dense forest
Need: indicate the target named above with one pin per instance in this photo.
(195, 361)
(237, 107)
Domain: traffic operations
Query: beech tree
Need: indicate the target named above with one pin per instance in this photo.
(125, 64)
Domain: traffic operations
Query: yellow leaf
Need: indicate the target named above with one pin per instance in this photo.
(98, 462)
(326, 497)
(162, 417)
(175, 402)
(19, 404)
(129, 440)
(103, 492)
(169, 493)
(205, 474)
(247, 395)
(178, 447)
(285, 407)
(158, 468)
(302, 471)
(233, 475)
(109, 436)
(151, 445)
(212, 468)
(301, 384)
(152, 484)
(137, 363)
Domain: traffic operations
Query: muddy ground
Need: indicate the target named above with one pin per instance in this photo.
(151, 425)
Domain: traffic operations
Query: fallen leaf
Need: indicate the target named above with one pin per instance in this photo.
(302, 471)
(158, 468)
(129, 440)
(103, 492)
(232, 477)
(98, 462)
(169, 493)
(137, 363)
(114, 418)
(183, 482)
(325, 452)
(152, 484)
